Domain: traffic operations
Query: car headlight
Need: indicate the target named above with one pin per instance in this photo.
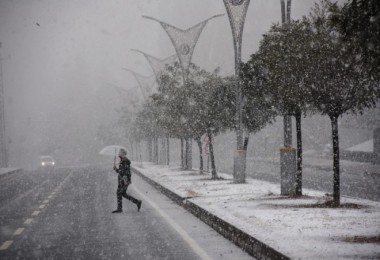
(53, 163)
(42, 163)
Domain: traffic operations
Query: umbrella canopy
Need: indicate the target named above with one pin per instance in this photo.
(112, 150)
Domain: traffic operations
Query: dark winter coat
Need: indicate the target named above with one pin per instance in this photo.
(124, 172)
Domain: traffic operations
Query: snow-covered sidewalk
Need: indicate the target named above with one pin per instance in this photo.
(299, 228)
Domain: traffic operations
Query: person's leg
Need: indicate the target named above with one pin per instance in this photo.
(119, 196)
(133, 199)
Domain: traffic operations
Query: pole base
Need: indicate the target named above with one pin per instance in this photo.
(288, 171)
(239, 166)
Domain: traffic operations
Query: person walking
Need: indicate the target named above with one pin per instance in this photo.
(124, 180)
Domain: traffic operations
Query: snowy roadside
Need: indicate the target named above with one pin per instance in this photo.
(327, 164)
(7, 171)
(294, 227)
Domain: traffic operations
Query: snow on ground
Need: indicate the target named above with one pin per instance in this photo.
(363, 147)
(289, 225)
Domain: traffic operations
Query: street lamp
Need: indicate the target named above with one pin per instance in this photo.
(159, 66)
(146, 84)
(285, 15)
(291, 184)
(237, 11)
(184, 42)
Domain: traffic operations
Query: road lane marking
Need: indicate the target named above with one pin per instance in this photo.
(18, 231)
(35, 213)
(6, 244)
(28, 221)
(42, 206)
(45, 201)
(193, 244)
(53, 193)
(51, 196)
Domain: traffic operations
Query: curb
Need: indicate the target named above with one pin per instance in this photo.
(10, 172)
(246, 242)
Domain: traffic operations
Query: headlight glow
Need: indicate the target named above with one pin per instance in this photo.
(42, 163)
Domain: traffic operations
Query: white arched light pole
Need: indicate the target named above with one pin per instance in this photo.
(184, 42)
(291, 184)
(237, 11)
(159, 66)
(285, 15)
(146, 84)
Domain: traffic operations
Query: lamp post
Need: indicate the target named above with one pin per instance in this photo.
(158, 66)
(237, 11)
(146, 84)
(3, 142)
(285, 15)
(184, 42)
(290, 183)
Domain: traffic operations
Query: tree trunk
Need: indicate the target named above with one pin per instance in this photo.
(132, 155)
(299, 155)
(167, 151)
(155, 150)
(214, 176)
(137, 150)
(188, 155)
(182, 155)
(246, 140)
(335, 140)
(150, 144)
(162, 155)
(200, 156)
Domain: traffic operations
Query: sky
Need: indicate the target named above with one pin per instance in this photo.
(62, 59)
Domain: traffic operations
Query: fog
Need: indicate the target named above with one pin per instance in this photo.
(61, 61)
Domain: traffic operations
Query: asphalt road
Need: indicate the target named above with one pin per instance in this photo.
(66, 214)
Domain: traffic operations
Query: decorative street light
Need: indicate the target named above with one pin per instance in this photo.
(184, 42)
(237, 11)
(146, 83)
(159, 66)
(285, 14)
(3, 143)
(147, 86)
(290, 183)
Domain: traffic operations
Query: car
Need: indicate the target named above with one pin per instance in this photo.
(47, 161)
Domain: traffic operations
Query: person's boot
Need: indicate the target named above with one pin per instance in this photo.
(117, 211)
(138, 205)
